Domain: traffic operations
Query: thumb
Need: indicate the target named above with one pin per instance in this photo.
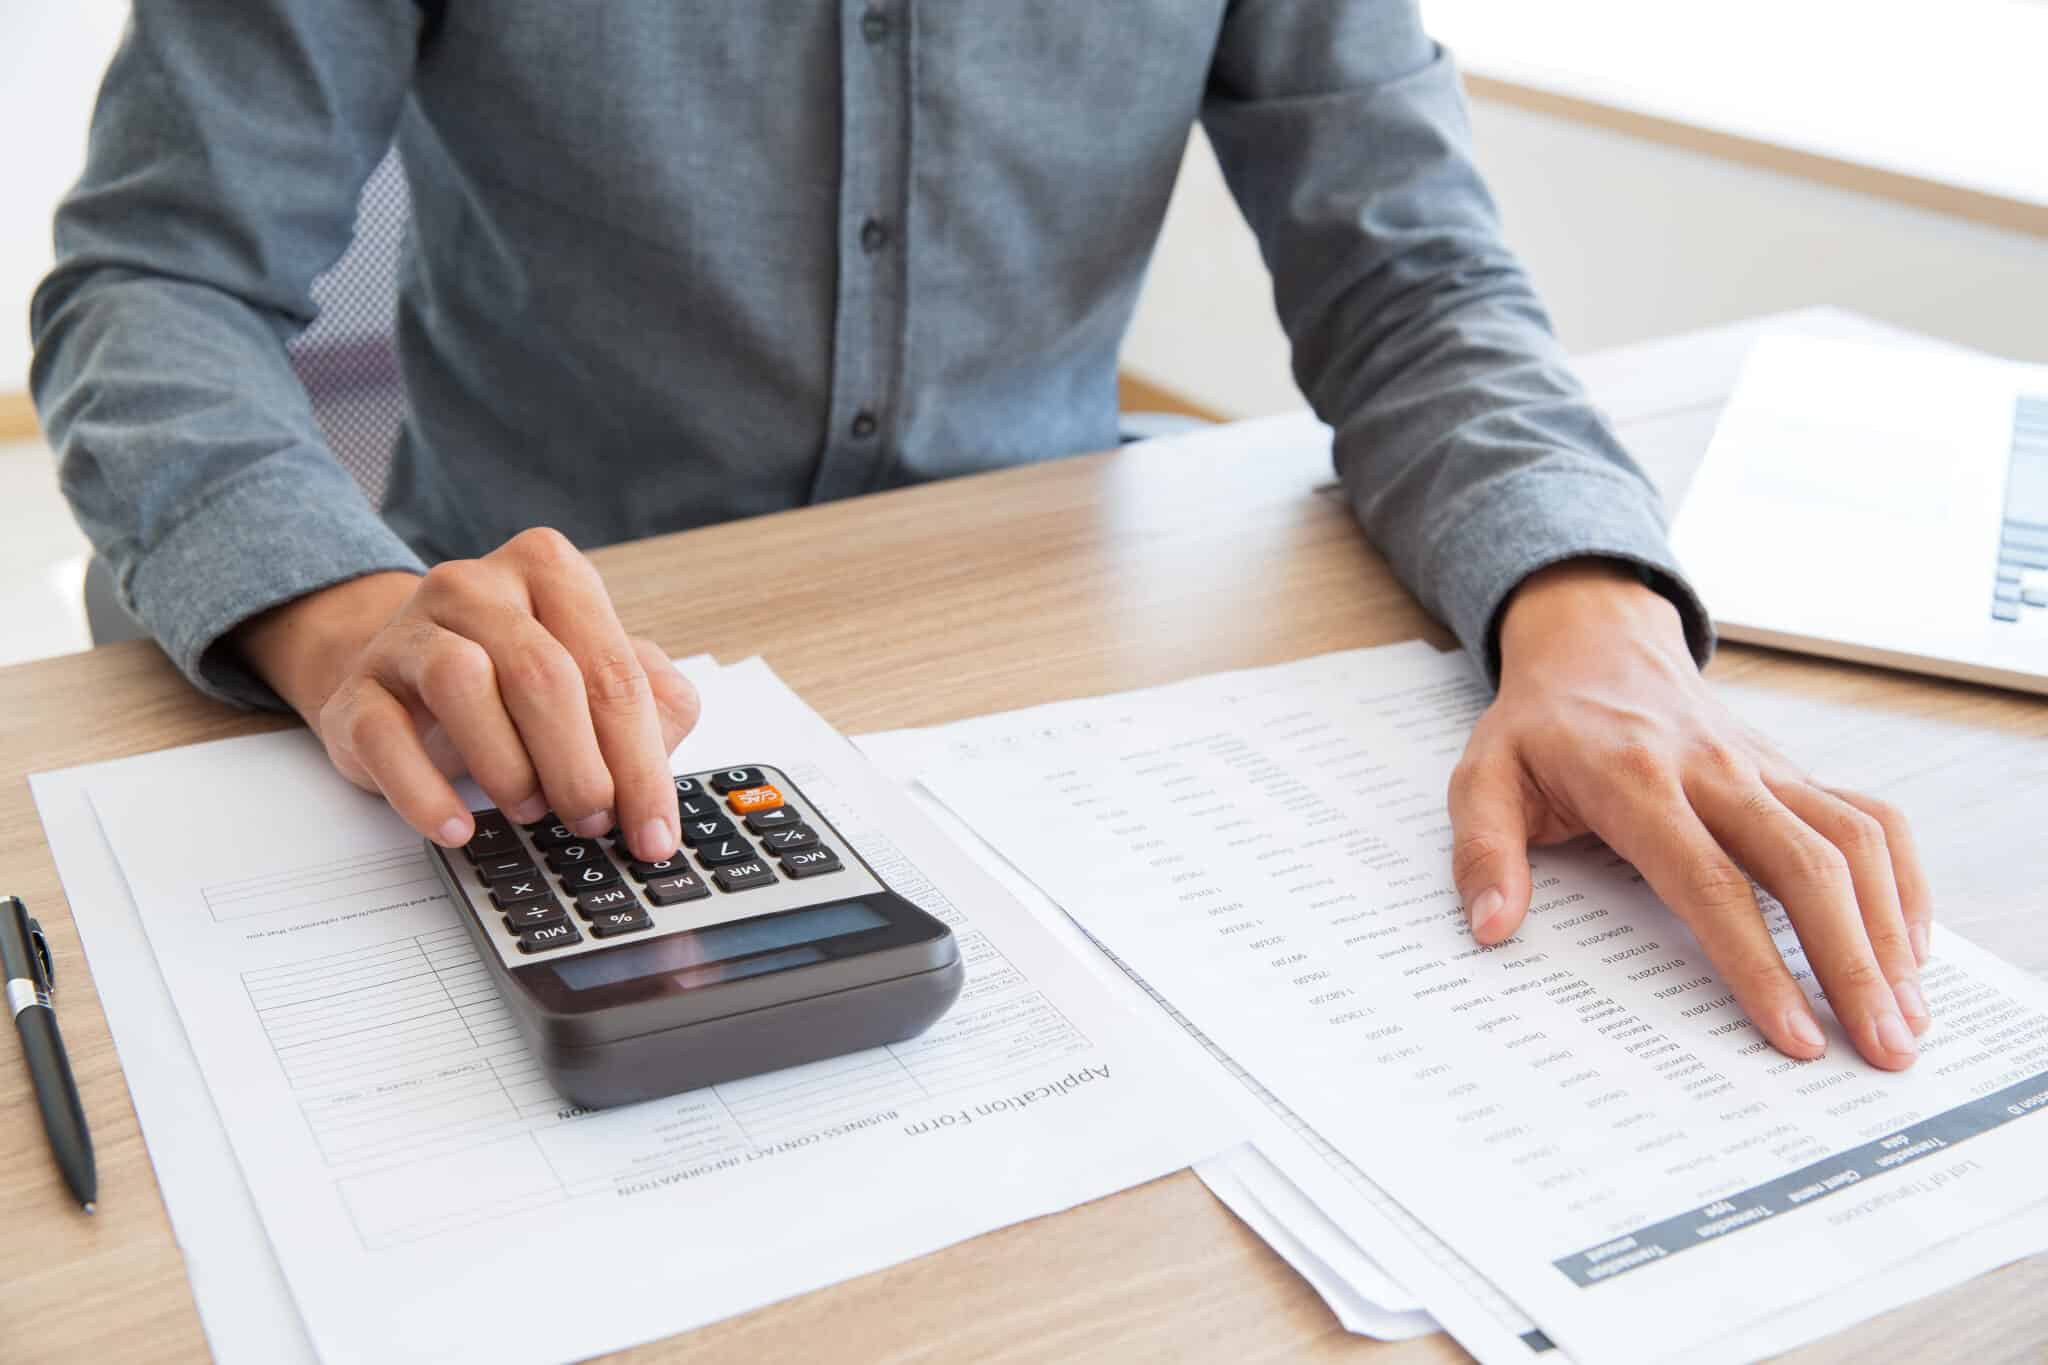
(1490, 844)
(675, 696)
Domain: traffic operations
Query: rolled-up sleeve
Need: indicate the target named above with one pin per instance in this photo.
(1470, 452)
(227, 151)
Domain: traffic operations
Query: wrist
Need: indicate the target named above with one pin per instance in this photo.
(1568, 607)
(303, 648)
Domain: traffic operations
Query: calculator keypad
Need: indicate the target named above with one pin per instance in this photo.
(744, 833)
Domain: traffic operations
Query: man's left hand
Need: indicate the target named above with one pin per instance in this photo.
(1604, 725)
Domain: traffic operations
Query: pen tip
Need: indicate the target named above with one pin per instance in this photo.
(91, 1208)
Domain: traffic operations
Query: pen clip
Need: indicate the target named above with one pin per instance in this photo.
(40, 941)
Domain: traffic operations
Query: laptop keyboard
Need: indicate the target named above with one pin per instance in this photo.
(2021, 589)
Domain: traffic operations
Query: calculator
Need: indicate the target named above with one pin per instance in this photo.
(765, 942)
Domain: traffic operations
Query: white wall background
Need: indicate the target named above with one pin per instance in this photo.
(1626, 240)
(51, 55)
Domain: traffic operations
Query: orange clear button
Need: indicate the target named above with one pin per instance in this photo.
(754, 798)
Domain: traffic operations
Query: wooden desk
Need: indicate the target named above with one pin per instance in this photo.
(911, 608)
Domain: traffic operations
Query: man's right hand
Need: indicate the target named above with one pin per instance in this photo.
(513, 667)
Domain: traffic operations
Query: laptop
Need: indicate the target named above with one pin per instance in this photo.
(1883, 505)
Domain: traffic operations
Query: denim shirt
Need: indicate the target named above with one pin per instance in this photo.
(677, 261)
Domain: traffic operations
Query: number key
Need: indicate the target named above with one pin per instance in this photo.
(590, 876)
(724, 851)
(552, 833)
(697, 833)
(667, 867)
(732, 779)
(571, 855)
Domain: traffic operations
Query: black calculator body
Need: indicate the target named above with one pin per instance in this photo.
(767, 941)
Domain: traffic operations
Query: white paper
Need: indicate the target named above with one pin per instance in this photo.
(413, 1169)
(239, 1289)
(1393, 1260)
(1245, 1183)
(1277, 869)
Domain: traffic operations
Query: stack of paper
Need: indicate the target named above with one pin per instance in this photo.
(1574, 1137)
(380, 1144)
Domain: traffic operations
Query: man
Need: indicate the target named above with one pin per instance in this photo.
(683, 260)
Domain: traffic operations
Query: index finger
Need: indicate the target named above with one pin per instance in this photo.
(576, 610)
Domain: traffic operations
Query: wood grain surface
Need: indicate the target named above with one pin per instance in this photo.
(907, 608)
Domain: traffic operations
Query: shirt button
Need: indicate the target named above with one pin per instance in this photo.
(864, 424)
(874, 26)
(874, 235)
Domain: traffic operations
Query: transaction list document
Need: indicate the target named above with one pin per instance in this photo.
(1582, 1112)
(427, 1194)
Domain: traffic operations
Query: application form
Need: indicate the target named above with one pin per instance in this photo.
(1582, 1113)
(428, 1196)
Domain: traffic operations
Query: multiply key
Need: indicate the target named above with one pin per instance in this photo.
(598, 902)
(509, 893)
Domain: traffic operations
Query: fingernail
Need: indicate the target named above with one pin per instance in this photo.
(454, 832)
(1804, 1030)
(1912, 1004)
(590, 826)
(1918, 934)
(529, 810)
(1485, 906)
(1894, 1037)
(657, 840)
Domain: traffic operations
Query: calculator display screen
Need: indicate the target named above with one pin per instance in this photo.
(721, 943)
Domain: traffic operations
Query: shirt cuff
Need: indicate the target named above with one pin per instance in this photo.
(1542, 516)
(261, 539)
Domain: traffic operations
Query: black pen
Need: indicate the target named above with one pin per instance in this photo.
(25, 962)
